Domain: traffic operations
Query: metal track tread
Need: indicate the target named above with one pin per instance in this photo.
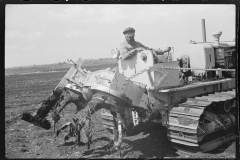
(203, 123)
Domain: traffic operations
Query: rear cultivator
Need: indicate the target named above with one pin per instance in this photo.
(82, 123)
(194, 97)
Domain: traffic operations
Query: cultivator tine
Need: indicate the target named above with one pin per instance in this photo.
(55, 120)
(57, 133)
(117, 144)
(77, 141)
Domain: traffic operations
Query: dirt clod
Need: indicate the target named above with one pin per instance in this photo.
(24, 150)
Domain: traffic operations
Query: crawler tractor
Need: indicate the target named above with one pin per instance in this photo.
(192, 91)
(195, 93)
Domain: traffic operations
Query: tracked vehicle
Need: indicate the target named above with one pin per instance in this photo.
(191, 91)
(195, 92)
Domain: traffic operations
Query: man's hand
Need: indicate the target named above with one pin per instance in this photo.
(133, 51)
(140, 49)
(167, 49)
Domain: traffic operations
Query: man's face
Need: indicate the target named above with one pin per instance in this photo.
(129, 36)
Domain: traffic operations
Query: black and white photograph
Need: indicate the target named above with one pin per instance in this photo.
(121, 81)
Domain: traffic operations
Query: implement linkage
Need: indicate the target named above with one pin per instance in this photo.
(178, 68)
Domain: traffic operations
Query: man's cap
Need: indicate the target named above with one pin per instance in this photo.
(129, 29)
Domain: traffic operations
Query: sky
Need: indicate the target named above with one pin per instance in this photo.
(50, 33)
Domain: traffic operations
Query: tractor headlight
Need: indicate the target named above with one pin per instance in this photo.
(115, 53)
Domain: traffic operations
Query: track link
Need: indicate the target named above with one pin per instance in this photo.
(203, 123)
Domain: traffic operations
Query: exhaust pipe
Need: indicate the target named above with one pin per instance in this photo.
(203, 30)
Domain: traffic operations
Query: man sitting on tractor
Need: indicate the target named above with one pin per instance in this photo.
(130, 47)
